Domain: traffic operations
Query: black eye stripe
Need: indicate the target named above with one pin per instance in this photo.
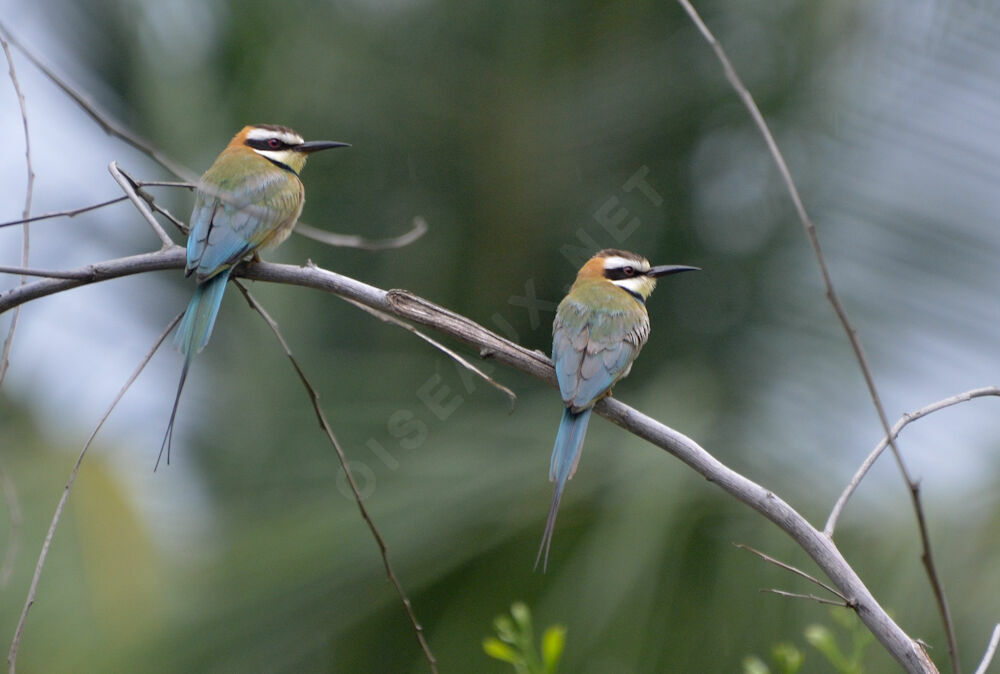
(266, 144)
(619, 273)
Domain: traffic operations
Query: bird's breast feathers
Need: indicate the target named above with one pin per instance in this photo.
(593, 346)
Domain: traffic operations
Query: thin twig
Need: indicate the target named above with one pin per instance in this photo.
(991, 650)
(129, 187)
(33, 589)
(148, 198)
(26, 213)
(388, 318)
(799, 572)
(345, 465)
(355, 241)
(93, 207)
(810, 597)
(14, 517)
(906, 419)
(6, 483)
(63, 214)
(162, 183)
(411, 308)
(103, 119)
(852, 335)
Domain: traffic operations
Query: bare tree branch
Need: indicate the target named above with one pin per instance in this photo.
(47, 273)
(28, 191)
(64, 214)
(129, 188)
(409, 307)
(345, 465)
(6, 483)
(173, 258)
(906, 419)
(852, 335)
(14, 517)
(43, 555)
(810, 597)
(102, 118)
(796, 571)
(991, 650)
(355, 241)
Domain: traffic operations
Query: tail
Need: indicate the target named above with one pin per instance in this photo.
(192, 336)
(565, 457)
(196, 326)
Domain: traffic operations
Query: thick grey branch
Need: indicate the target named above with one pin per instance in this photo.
(490, 345)
(171, 258)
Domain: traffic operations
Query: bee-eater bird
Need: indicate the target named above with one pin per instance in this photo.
(599, 329)
(249, 199)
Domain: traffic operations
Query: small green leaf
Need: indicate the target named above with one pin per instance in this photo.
(787, 657)
(754, 665)
(505, 628)
(501, 651)
(823, 640)
(522, 615)
(553, 644)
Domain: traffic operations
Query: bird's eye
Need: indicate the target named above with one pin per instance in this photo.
(628, 271)
(273, 143)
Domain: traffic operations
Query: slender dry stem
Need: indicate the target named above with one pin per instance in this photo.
(809, 597)
(102, 118)
(355, 241)
(799, 572)
(991, 650)
(345, 465)
(10, 491)
(129, 187)
(14, 517)
(851, 332)
(43, 555)
(26, 213)
(906, 419)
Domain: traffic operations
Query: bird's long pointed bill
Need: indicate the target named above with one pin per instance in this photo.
(317, 145)
(666, 269)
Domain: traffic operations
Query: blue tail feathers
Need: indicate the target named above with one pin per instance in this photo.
(196, 326)
(192, 336)
(565, 457)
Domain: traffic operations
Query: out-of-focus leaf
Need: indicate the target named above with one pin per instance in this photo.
(501, 651)
(553, 643)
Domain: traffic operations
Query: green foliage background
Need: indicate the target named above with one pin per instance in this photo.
(510, 127)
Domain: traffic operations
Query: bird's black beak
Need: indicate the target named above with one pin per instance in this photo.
(666, 269)
(317, 145)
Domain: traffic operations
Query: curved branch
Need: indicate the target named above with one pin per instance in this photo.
(490, 345)
(355, 241)
(852, 334)
(991, 650)
(101, 118)
(906, 419)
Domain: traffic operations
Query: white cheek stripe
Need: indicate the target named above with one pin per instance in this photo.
(280, 156)
(636, 284)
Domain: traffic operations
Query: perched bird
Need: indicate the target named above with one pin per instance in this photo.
(249, 199)
(600, 327)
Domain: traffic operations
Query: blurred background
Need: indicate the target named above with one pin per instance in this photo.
(517, 131)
